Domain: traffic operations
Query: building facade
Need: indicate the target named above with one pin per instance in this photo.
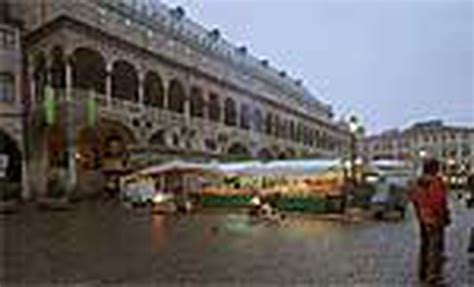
(114, 83)
(452, 145)
(12, 160)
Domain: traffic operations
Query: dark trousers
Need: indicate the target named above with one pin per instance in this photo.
(470, 247)
(431, 253)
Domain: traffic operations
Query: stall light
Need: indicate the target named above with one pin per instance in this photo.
(422, 153)
(347, 164)
(372, 178)
(159, 197)
(256, 201)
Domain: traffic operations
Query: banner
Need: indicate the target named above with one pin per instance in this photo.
(49, 105)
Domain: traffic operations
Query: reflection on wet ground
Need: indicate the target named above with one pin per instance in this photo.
(105, 243)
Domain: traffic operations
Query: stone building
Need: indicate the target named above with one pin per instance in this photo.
(134, 82)
(11, 113)
(453, 145)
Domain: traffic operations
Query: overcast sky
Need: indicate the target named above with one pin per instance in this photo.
(391, 62)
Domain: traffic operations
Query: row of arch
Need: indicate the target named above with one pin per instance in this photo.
(236, 148)
(89, 72)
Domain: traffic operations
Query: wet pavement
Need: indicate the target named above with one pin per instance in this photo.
(99, 243)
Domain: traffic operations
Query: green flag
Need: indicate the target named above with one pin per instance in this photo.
(49, 105)
(91, 109)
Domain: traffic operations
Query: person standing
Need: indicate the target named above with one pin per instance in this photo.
(470, 191)
(470, 204)
(430, 201)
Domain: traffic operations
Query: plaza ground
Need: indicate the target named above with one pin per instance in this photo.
(104, 243)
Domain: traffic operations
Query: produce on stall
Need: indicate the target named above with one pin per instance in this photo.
(300, 185)
(168, 186)
(303, 185)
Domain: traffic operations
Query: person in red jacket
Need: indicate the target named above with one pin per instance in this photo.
(430, 201)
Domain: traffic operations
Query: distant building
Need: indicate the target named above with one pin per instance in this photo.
(452, 145)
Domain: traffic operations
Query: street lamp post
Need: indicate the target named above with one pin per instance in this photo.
(451, 172)
(421, 157)
(350, 164)
(354, 128)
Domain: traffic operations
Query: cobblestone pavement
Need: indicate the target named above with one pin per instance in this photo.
(101, 243)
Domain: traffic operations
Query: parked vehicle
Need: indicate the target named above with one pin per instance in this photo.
(391, 186)
(138, 191)
(389, 200)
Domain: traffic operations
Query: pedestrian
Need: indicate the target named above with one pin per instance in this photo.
(430, 201)
(470, 248)
(470, 191)
(470, 204)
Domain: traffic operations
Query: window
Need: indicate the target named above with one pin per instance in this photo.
(7, 38)
(466, 151)
(244, 117)
(214, 108)
(7, 87)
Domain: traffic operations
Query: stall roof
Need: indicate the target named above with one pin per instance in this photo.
(278, 167)
(246, 168)
(389, 163)
(237, 167)
(176, 166)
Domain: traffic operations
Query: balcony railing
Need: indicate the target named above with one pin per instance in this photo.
(160, 115)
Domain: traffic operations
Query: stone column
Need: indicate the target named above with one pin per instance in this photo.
(108, 84)
(187, 109)
(31, 78)
(238, 112)
(69, 91)
(25, 182)
(70, 131)
(165, 95)
(41, 179)
(27, 158)
(221, 101)
(141, 90)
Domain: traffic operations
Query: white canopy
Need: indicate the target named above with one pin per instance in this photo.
(278, 167)
(247, 168)
(390, 163)
(175, 166)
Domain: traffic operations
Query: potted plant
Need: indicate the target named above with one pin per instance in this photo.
(10, 194)
(56, 197)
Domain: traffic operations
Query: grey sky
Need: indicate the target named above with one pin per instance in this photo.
(391, 62)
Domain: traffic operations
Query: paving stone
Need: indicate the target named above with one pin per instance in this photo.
(99, 244)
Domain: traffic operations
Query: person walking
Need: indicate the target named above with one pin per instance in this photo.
(430, 201)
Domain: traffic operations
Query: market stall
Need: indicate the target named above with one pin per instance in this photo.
(175, 181)
(291, 185)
